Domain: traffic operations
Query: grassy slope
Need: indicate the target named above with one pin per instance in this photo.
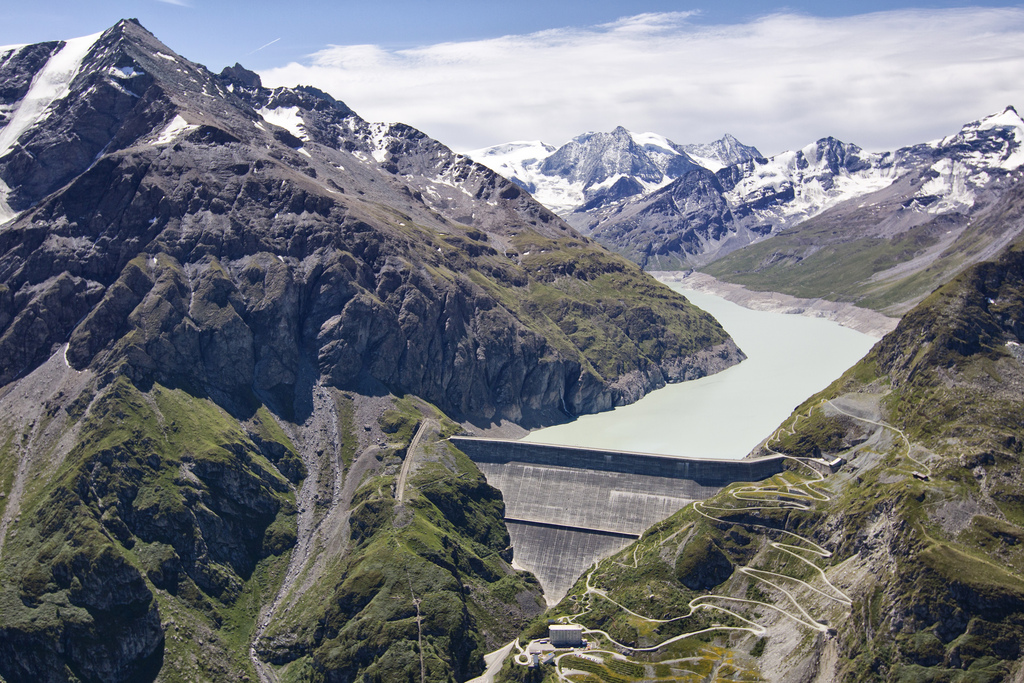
(808, 261)
(591, 304)
(825, 257)
(175, 492)
(439, 552)
(151, 474)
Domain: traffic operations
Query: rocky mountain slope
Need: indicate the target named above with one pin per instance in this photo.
(229, 317)
(904, 560)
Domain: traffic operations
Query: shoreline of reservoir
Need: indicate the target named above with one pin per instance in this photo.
(865, 320)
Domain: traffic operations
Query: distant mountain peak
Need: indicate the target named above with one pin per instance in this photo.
(716, 155)
(595, 169)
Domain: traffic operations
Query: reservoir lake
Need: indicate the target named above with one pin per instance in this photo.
(789, 358)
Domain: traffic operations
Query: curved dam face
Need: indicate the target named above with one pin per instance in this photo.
(567, 508)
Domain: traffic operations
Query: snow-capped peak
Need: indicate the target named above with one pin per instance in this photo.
(582, 170)
(1008, 118)
(726, 151)
(991, 145)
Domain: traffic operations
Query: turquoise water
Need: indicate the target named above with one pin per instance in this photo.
(789, 358)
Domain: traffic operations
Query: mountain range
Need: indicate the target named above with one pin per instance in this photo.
(594, 170)
(905, 209)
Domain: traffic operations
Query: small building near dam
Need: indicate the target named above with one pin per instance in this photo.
(565, 635)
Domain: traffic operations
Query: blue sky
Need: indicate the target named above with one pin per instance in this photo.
(874, 73)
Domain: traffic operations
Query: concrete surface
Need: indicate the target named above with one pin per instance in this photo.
(567, 508)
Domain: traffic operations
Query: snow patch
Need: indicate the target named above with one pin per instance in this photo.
(950, 184)
(121, 88)
(175, 129)
(655, 141)
(6, 212)
(302, 150)
(380, 135)
(50, 85)
(167, 57)
(126, 72)
(288, 118)
(1008, 118)
(713, 165)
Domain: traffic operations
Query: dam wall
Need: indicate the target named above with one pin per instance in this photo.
(567, 508)
(706, 471)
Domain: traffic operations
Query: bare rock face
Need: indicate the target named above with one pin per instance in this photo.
(688, 216)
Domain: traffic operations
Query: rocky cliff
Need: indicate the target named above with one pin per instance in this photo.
(206, 246)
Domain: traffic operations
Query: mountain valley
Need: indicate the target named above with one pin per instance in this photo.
(239, 324)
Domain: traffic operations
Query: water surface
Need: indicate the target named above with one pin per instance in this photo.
(789, 358)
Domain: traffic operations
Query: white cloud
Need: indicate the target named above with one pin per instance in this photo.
(879, 80)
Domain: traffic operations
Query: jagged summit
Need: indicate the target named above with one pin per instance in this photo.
(220, 166)
(726, 151)
(239, 75)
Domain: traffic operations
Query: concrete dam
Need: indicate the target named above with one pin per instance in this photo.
(567, 508)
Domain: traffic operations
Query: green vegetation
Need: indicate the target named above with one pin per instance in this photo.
(585, 300)
(401, 423)
(438, 554)
(167, 497)
(345, 406)
(815, 260)
(817, 436)
(947, 380)
(933, 484)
